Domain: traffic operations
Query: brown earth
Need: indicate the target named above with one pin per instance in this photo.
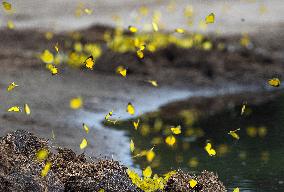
(262, 60)
(20, 170)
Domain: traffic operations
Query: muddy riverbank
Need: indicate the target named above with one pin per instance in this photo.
(176, 70)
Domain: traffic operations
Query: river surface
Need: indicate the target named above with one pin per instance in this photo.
(252, 163)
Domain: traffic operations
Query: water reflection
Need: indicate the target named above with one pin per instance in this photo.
(253, 163)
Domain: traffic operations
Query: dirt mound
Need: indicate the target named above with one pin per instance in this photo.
(20, 171)
(206, 182)
(231, 63)
(174, 64)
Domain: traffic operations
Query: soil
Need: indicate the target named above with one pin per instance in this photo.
(262, 60)
(20, 170)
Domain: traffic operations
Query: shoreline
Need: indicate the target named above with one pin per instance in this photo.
(104, 90)
(19, 63)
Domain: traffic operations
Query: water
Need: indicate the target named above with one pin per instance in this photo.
(145, 99)
(253, 163)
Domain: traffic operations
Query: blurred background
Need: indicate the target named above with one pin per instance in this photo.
(233, 16)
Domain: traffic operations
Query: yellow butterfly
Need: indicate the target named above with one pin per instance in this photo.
(108, 115)
(27, 109)
(132, 146)
(236, 190)
(88, 11)
(179, 30)
(192, 183)
(243, 109)
(176, 130)
(89, 62)
(170, 140)
(56, 47)
(130, 109)
(147, 172)
(7, 6)
(132, 29)
(10, 24)
(86, 128)
(121, 70)
(210, 18)
(83, 144)
(47, 56)
(76, 103)
(46, 169)
(209, 149)
(136, 124)
(234, 134)
(150, 155)
(154, 83)
(42, 154)
(140, 54)
(155, 26)
(142, 47)
(52, 69)
(12, 86)
(14, 109)
(275, 82)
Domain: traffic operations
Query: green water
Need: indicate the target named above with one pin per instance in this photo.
(252, 163)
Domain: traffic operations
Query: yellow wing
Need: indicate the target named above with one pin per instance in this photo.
(89, 62)
(275, 82)
(210, 18)
(130, 109)
(84, 144)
